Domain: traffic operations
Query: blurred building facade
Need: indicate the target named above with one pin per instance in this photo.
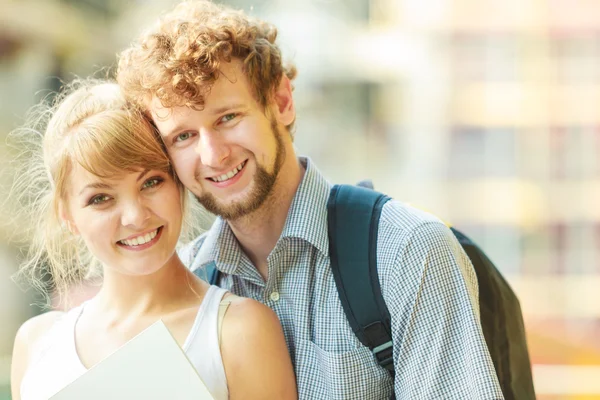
(486, 113)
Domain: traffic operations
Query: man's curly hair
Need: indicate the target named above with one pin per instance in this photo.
(178, 60)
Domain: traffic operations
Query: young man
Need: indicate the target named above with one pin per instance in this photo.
(213, 82)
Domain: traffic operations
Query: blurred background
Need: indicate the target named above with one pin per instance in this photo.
(485, 113)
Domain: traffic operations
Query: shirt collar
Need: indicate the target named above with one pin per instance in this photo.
(220, 246)
(307, 217)
(307, 220)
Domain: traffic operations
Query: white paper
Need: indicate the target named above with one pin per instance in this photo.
(149, 366)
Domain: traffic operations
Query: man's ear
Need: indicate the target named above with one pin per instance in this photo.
(66, 219)
(284, 102)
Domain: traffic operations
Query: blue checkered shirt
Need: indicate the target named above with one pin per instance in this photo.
(427, 281)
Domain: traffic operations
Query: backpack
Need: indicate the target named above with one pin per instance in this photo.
(353, 220)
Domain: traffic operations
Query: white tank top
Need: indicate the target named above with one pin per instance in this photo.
(54, 362)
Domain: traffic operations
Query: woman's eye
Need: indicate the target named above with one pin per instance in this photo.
(99, 199)
(152, 182)
(228, 117)
(183, 136)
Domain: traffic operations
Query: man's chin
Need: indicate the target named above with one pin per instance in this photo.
(230, 209)
(243, 203)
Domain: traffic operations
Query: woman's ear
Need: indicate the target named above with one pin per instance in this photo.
(66, 219)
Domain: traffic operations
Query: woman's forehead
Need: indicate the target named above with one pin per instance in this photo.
(81, 177)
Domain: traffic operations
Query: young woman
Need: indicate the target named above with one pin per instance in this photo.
(109, 198)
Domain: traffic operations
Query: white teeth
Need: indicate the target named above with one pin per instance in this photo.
(230, 174)
(140, 239)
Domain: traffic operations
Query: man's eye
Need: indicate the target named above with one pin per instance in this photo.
(183, 136)
(152, 182)
(99, 199)
(228, 117)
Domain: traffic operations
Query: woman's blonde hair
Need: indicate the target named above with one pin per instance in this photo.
(91, 124)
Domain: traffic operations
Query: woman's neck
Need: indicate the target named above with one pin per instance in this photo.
(166, 290)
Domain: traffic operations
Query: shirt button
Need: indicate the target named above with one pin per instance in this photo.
(275, 296)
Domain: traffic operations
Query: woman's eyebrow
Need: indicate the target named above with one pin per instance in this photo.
(95, 185)
(144, 172)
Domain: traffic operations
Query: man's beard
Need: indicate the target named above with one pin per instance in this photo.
(262, 188)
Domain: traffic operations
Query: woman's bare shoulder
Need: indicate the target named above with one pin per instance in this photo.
(27, 336)
(255, 355)
(35, 327)
(248, 314)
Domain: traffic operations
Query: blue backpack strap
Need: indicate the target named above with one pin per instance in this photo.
(353, 220)
(209, 273)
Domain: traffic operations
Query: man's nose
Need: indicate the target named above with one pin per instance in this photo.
(212, 148)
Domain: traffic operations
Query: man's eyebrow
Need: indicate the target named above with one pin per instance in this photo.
(95, 185)
(176, 129)
(180, 127)
(227, 107)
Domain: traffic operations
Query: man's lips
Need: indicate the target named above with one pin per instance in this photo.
(229, 174)
(229, 181)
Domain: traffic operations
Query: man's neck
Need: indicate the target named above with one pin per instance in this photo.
(259, 232)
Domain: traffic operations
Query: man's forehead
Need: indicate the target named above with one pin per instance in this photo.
(231, 83)
(165, 117)
(157, 109)
(225, 92)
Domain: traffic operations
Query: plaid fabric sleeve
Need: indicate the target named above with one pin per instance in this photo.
(439, 348)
